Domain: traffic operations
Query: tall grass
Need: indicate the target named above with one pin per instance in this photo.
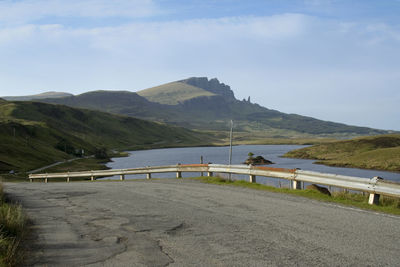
(12, 230)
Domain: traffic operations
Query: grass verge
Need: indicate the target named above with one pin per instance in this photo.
(386, 204)
(12, 231)
(381, 152)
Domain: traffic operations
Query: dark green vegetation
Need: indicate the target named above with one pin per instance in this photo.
(202, 104)
(12, 231)
(386, 204)
(35, 134)
(377, 152)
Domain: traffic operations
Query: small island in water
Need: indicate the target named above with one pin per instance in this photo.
(258, 160)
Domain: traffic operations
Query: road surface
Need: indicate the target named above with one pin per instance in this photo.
(178, 222)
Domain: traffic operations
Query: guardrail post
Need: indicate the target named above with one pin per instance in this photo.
(148, 176)
(122, 177)
(297, 185)
(67, 179)
(209, 174)
(178, 174)
(252, 178)
(31, 180)
(374, 199)
(45, 180)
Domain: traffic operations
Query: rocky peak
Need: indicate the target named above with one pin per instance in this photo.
(212, 85)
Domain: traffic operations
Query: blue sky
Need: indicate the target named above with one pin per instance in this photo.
(330, 59)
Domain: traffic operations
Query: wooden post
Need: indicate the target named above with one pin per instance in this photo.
(201, 162)
(297, 185)
(122, 177)
(178, 174)
(148, 176)
(252, 178)
(374, 199)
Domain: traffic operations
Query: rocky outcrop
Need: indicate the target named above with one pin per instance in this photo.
(212, 85)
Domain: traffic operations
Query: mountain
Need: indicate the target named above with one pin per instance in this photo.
(34, 134)
(203, 104)
(50, 94)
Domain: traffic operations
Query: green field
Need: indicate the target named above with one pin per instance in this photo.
(380, 152)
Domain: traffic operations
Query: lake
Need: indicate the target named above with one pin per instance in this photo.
(220, 155)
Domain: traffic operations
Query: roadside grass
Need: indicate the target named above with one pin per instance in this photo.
(386, 204)
(12, 231)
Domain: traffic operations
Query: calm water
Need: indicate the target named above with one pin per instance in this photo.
(220, 155)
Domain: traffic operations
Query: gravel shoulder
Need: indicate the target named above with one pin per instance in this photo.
(180, 222)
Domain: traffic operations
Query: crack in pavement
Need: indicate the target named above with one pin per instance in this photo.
(179, 223)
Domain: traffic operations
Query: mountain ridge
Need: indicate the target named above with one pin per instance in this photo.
(210, 112)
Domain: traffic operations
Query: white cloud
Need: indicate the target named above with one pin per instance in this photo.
(287, 62)
(31, 10)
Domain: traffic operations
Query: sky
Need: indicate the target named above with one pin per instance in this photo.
(336, 60)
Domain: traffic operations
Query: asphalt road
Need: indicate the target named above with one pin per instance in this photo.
(178, 222)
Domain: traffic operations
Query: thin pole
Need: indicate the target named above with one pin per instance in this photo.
(201, 162)
(230, 147)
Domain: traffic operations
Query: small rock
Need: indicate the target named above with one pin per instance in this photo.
(259, 160)
(318, 188)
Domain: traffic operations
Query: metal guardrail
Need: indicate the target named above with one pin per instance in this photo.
(375, 186)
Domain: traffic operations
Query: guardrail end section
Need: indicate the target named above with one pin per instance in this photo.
(297, 184)
(374, 199)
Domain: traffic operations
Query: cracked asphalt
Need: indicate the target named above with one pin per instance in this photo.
(178, 222)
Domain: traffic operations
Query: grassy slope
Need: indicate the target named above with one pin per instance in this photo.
(173, 93)
(378, 152)
(41, 128)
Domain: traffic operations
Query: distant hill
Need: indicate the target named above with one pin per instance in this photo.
(50, 94)
(200, 103)
(173, 93)
(34, 134)
(376, 152)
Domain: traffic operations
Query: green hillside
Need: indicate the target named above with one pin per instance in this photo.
(50, 94)
(209, 105)
(173, 93)
(377, 152)
(34, 134)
